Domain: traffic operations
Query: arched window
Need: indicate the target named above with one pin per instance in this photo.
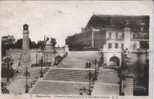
(113, 36)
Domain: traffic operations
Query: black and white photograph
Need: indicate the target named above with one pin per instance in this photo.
(89, 48)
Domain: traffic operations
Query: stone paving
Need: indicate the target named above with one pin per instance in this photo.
(107, 83)
(76, 75)
(58, 87)
(77, 59)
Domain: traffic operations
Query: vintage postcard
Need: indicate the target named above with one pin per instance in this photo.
(76, 49)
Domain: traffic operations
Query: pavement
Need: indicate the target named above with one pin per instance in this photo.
(17, 85)
(18, 82)
(107, 83)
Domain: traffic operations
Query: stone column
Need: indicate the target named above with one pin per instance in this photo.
(25, 43)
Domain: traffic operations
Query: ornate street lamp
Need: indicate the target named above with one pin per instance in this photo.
(41, 67)
(26, 86)
(146, 74)
(41, 61)
(124, 53)
(95, 63)
(36, 58)
(89, 90)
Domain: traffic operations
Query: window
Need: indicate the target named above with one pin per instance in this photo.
(144, 45)
(122, 46)
(116, 45)
(109, 35)
(113, 35)
(117, 35)
(134, 46)
(109, 45)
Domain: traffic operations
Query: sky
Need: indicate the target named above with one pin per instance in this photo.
(60, 19)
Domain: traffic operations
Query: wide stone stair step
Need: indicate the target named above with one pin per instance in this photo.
(68, 75)
(108, 76)
(60, 88)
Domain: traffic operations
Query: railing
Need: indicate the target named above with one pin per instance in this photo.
(140, 36)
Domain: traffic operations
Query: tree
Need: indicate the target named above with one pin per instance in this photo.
(40, 44)
(7, 69)
(6, 44)
(33, 44)
(18, 44)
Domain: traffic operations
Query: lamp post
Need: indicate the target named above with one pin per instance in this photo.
(41, 62)
(26, 86)
(8, 71)
(120, 74)
(123, 67)
(41, 67)
(36, 58)
(89, 90)
(95, 62)
(147, 73)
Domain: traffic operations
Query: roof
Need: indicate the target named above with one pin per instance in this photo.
(119, 21)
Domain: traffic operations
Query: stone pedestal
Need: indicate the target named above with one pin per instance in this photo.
(129, 86)
(49, 54)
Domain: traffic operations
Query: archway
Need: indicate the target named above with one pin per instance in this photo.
(115, 60)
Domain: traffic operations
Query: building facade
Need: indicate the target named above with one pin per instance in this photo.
(8, 39)
(134, 44)
(49, 53)
(93, 36)
(90, 39)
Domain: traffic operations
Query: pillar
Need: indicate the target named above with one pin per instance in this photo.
(25, 43)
